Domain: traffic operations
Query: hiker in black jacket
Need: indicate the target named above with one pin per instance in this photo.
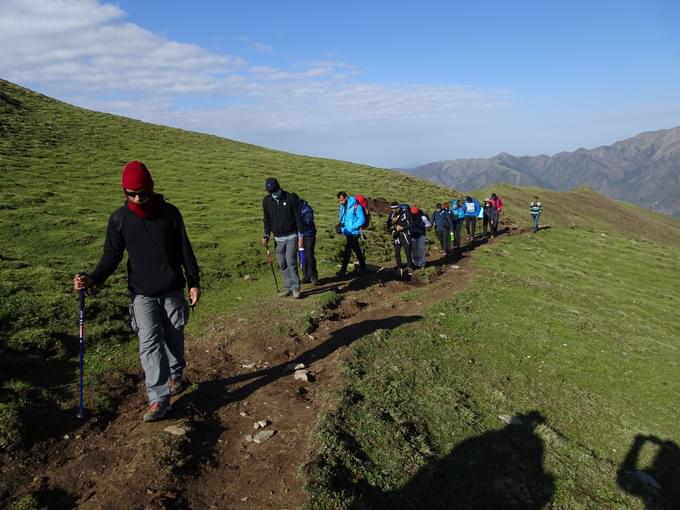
(282, 218)
(161, 263)
(399, 225)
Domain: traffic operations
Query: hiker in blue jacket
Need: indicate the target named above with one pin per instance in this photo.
(441, 219)
(472, 210)
(351, 217)
(458, 212)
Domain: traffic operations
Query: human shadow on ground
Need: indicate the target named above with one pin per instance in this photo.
(211, 396)
(501, 469)
(657, 485)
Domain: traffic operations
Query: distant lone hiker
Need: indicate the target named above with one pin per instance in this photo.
(535, 209)
(159, 256)
(282, 217)
(352, 217)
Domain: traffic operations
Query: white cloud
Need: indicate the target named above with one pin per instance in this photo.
(85, 52)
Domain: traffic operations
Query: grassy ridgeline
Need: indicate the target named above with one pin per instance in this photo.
(61, 180)
(574, 330)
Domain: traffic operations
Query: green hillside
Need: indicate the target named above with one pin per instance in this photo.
(572, 330)
(62, 167)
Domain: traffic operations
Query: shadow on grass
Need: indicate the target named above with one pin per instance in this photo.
(498, 469)
(658, 485)
(211, 396)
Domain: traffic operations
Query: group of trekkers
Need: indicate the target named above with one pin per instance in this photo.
(291, 221)
(161, 263)
(449, 219)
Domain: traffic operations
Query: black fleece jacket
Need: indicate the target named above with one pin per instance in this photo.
(282, 216)
(158, 249)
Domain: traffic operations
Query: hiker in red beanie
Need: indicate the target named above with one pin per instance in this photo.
(161, 263)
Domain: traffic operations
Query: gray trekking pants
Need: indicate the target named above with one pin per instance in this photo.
(159, 322)
(286, 253)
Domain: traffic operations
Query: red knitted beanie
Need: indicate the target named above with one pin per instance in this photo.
(136, 177)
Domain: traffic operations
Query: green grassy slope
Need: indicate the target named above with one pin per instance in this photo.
(61, 180)
(573, 328)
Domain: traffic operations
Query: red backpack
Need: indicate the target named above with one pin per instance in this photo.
(361, 201)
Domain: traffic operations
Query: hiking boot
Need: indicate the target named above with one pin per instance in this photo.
(306, 280)
(296, 294)
(177, 385)
(157, 410)
(284, 293)
(315, 282)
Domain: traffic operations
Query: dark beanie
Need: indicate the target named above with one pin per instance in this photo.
(271, 185)
(136, 176)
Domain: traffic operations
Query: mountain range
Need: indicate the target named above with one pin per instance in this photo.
(644, 169)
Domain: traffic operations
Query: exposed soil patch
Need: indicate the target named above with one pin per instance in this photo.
(241, 374)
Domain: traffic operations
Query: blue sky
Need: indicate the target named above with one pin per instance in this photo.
(385, 83)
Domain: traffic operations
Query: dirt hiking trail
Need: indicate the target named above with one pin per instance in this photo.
(200, 456)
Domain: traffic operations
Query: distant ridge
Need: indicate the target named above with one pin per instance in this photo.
(644, 169)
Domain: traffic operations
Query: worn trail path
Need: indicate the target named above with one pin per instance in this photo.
(124, 463)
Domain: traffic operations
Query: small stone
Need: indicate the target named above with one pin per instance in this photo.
(455, 267)
(239, 298)
(243, 414)
(263, 435)
(244, 499)
(442, 314)
(249, 438)
(246, 277)
(301, 375)
(66, 436)
(260, 424)
(175, 430)
(300, 366)
(248, 365)
(443, 336)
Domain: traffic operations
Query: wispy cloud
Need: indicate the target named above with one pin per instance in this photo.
(86, 51)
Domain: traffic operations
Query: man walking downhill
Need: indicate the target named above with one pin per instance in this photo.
(160, 265)
(472, 209)
(535, 210)
(399, 225)
(497, 203)
(488, 219)
(282, 218)
(419, 225)
(309, 271)
(352, 218)
(458, 213)
(441, 219)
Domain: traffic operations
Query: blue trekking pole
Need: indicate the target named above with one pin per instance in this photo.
(81, 412)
